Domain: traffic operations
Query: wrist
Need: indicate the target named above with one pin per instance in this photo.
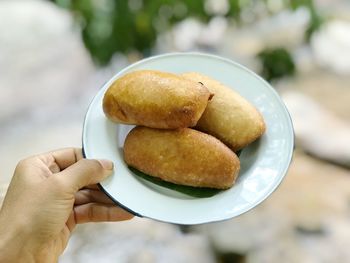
(13, 243)
(17, 244)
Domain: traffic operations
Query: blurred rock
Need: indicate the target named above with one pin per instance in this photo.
(318, 103)
(190, 33)
(318, 131)
(186, 34)
(244, 233)
(305, 220)
(47, 81)
(216, 7)
(285, 28)
(331, 46)
(43, 63)
(34, 140)
(136, 241)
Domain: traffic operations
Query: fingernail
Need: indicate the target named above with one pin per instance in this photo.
(106, 164)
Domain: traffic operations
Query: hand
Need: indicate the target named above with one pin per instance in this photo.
(48, 195)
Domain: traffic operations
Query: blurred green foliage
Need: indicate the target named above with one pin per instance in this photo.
(112, 26)
(316, 19)
(276, 63)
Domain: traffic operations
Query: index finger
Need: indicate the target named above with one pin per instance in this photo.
(63, 158)
(67, 156)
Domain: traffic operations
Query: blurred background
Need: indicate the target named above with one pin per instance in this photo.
(55, 55)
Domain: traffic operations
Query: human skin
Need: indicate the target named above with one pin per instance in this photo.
(48, 196)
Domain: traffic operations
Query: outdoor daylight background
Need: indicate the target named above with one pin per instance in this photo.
(55, 56)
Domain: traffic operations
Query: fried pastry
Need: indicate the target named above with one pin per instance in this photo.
(228, 116)
(155, 99)
(183, 156)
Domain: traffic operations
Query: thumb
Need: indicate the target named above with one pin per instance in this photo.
(85, 172)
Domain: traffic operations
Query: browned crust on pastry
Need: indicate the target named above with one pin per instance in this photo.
(182, 156)
(228, 116)
(155, 99)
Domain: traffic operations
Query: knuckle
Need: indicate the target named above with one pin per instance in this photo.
(21, 168)
(22, 164)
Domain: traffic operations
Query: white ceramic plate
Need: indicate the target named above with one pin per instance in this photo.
(263, 164)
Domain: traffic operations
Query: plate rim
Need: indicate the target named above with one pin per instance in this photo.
(223, 59)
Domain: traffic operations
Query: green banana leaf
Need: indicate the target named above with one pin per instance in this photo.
(188, 190)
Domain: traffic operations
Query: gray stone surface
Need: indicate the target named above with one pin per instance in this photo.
(319, 131)
(305, 220)
(47, 80)
(136, 241)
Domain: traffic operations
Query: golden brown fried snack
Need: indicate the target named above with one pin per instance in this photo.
(228, 116)
(182, 156)
(155, 99)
